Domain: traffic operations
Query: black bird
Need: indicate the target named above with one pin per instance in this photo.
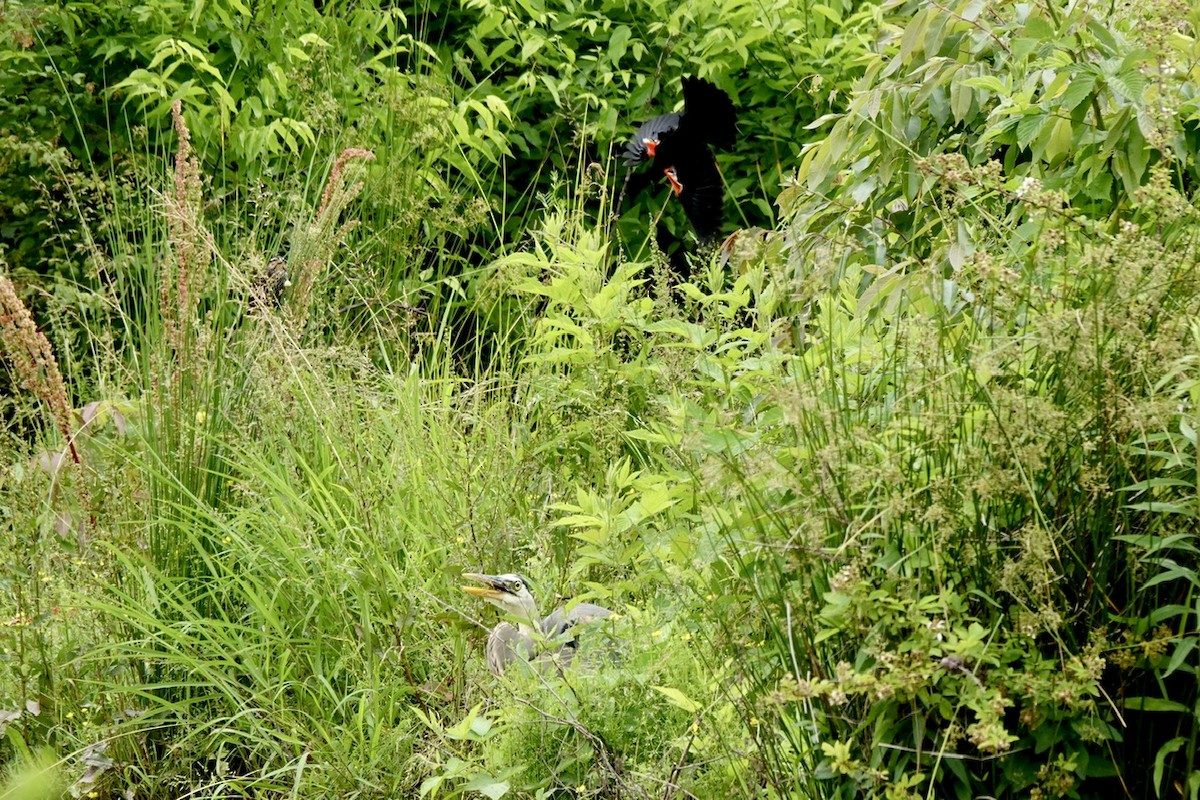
(679, 146)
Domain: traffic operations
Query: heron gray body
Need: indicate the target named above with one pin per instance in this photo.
(531, 639)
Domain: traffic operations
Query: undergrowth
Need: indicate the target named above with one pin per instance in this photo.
(895, 498)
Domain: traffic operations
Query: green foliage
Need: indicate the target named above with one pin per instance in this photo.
(894, 501)
(578, 77)
(1070, 100)
(994, 332)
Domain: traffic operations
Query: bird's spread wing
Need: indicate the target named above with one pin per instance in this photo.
(708, 112)
(703, 194)
(653, 129)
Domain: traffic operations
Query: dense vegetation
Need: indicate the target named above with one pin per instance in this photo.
(895, 497)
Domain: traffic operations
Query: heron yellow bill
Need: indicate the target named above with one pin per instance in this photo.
(487, 590)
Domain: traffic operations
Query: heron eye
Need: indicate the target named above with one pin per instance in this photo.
(517, 585)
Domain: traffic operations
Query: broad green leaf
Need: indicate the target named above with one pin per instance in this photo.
(618, 44)
(1029, 127)
(1059, 143)
(1130, 84)
(988, 82)
(488, 786)
(973, 9)
(825, 11)
(430, 784)
(678, 698)
(1079, 91)
(960, 99)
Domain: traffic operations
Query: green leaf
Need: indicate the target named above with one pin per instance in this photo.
(1059, 143)
(1028, 128)
(973, 10)
(1183, 649)
(960, 100)
(678, 698)
(1160, 759)
(1152, 483)
(1176, 572)
(1079, 91)
(828, 13)
(618, 44)
(988, 82)
(488, 786)
(1156, 704)
(430, 784)
(1129, 84)
(1185, 509)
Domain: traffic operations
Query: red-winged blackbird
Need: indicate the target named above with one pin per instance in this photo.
(679, 145)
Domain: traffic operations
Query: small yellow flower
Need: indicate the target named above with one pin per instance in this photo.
(93, 794)
(687, 637)
(581, 788)
(70, 715)
(658, 634)
(228, 540)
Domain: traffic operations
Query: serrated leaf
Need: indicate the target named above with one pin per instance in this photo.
(1129, 84)
(1028, 128)
(1080, 90)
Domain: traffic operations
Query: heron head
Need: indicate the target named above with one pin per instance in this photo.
(509, 593)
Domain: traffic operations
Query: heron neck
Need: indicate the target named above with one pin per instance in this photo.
(529, 624)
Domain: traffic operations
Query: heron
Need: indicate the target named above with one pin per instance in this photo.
(532, 638)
